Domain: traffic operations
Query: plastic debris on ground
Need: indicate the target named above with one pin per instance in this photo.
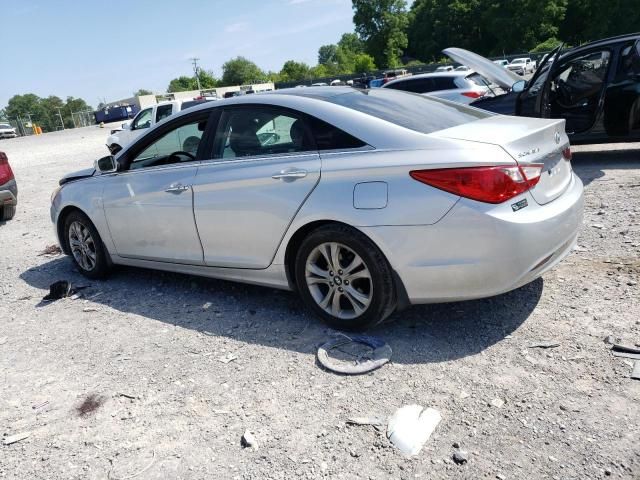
(354, 354)
(410, 427)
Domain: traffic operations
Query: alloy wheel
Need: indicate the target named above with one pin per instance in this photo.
(82, 246)
(339, 280)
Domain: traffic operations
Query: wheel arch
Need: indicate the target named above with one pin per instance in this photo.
(302, 232)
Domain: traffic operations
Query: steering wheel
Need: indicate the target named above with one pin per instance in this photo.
(176, 156)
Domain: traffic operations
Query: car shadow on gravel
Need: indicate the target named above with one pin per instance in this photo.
(589, 165)
(278, 319)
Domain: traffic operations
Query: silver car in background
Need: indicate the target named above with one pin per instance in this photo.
(360, 200)
(456, 86)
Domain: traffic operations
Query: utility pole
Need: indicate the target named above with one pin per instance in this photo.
(194, 61)
(61, 120)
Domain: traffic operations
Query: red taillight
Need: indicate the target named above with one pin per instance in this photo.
(566, 153)
(495, 184)
(473, 94)
(6, 173)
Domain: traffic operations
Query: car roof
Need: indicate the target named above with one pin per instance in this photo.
(603, 42)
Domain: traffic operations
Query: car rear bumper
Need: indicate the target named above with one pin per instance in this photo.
(479, 250)
(9, 193)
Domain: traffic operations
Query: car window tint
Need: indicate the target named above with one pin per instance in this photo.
(328, 137)
(629, 63)
(416, 112)
(143, 120)
(443, 83)
(178, 145)
(163, 111)
(261, 131)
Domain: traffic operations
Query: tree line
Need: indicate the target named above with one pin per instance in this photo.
(389, 34)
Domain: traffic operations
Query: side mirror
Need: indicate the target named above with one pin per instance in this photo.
(518, 86)
(106, 164)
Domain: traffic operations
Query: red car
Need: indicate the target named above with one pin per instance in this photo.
(8, 189)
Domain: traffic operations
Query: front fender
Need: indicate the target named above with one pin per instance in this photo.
(84, 195)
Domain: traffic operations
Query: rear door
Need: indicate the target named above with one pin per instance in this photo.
(263, 167)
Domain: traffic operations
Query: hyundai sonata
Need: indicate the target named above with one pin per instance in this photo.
(362, 201)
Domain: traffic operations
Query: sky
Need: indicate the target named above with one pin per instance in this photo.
(107, 50)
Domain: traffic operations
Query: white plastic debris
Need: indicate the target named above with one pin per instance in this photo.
(410, 427)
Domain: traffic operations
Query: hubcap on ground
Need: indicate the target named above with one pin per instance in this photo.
(82, 246)
(339, 280)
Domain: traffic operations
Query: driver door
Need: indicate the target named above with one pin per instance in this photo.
(149, 203)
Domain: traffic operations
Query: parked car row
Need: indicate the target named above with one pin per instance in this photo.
(595, 88)
(7, 131)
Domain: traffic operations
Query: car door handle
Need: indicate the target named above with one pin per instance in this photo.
(177, 188)
(289, 174)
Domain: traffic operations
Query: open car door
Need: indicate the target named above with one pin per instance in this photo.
(534, 99)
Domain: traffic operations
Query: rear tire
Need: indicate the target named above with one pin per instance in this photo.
(344, 278)
(85, 246)
(7, 212)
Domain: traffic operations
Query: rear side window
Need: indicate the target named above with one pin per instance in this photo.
(415, 85)
(163, 112)
(443, 83)
(416, 112)
(328, 137)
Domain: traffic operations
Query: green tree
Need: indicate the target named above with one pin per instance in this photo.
(45, 111)
(207, 79)
(350, 42)
(546, 46)
(319, 71)
(587, 20)
(363, 63)
(292, 71)
(182, 84)
(382, 25)
(327, 54)
(141, 92)
(241, 71)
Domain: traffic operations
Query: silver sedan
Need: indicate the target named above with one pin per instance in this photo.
(363, 201)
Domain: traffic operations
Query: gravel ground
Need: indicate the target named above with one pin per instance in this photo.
(130, 376)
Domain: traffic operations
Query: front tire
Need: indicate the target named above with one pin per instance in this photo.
(85, 245)
(344, 278)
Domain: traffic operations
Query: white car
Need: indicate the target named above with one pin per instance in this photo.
(522, 66)
(447, 68)
(144, 120)
(460, 87)
(502, 63)
(7, 131)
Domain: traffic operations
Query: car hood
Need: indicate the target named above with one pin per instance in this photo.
(485, 67)
(70, 177)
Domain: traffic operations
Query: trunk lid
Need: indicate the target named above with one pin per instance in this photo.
(485, 67)
(527, 140)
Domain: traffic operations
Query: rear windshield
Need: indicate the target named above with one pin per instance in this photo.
(415, 112)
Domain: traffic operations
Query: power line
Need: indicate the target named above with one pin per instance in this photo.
(194, 61)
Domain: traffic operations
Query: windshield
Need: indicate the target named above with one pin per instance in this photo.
(5, 125)
(518, 60)
(409, 110)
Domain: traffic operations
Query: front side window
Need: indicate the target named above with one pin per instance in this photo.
(176, 146)
(143, 120)
(580, 80)
(629, 64)
(163, 112)
(261, 131)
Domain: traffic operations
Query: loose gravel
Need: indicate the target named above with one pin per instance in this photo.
(159, 375)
